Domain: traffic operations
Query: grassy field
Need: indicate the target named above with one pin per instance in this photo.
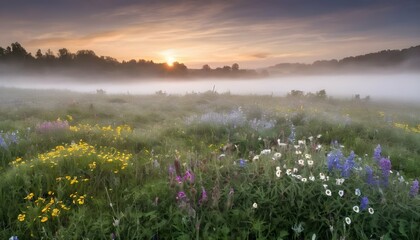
(206, 166)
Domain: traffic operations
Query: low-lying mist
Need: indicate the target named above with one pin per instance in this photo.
(393, 87)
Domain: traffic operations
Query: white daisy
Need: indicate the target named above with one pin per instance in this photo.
(277, 155)
(356, 209)
(288, 172)
(321, 176)
(301, 162)
(319, 136)
(277, 168)
(371, 211)
(348, 220)
(312, 178)
(328, 192)
(310, 163)
(298, 177)
(278, 173)
(255, 205)
(304, 180)
(295, 170)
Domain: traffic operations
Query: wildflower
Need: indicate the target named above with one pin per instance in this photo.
(181, 195)
(308, 156)
(304, 180)
(414, 189)
(292, 135)
(377, 153)
(339, 181)
(242, 163)
(265, 152)
(341, 193)
(189, 176)
(369, 175)
(44, 219)
(325, 186)
(370, 210)
(318, 147)
(322, 176)
(364, 203)
(298, 152)
(21, 217)
(357, 192)
(319, 136)
(55, 212)
(255, 205)
(179, 179)
(312, 178)
(288, 172)
(348, 166)
(278, 173)
(30, 196)
(277, 155)
(203, 196)
(348, 220)
(333, 159)
(301, 142)
(311, 138)
(255, 158)
(13, 238)
(301, 162)
(356, 209)
(171, 170)
(116, 222)
(310, 163)
(298, 228)
(328, 192)
(295, 170)
(385, 165)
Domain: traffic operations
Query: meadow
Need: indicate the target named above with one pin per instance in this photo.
(207, 166)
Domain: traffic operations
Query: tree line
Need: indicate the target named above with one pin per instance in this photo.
(16, 59)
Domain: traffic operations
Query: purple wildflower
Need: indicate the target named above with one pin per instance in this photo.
(333, 159)
(171, 170)
(377, 153)
(242, 163)
(364, 203)
(203, 198)
(369, 176)
(181, 196)
(414, 190)
(3, 143)
(348, 166)
(189, 176)
(179, 179)
(385, 165)
(292, 135)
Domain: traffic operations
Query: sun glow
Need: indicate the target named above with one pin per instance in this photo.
(170, 60)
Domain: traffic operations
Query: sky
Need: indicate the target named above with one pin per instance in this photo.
(253, 34)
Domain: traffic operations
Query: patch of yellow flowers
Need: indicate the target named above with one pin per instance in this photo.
(407, 128)
(117, 133)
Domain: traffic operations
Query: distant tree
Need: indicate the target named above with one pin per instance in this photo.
(2, 52)
(322, 94)
(206, 68)
(235, 67)
(296, 93)
(226, 69)
(65, 55)
(38, 54)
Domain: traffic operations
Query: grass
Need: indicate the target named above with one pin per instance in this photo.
(205, 166)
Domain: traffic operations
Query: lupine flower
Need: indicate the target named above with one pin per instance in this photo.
(333, 159)
(3, 143)
(348, 220)
(13, 238)
(292, 135)
(385, 165)
(377, 153)
(181, 196)
(189, 176)
(369, 175)
(203, 198)
(414, 190)
(348, 166)
(242, 163)
(364, 203)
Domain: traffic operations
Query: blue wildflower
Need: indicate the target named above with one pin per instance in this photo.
(414, 190)
(377, 153)
(292, 135)
(364, 203)
(333, 159)
(369, 176)
(385, 165)
(242, 163)
(13, 238)
(348, 166)
(3, 143)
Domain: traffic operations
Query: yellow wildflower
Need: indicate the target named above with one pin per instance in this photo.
(21, 217)
(30, 196)
(44, 219)
(55, 212)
